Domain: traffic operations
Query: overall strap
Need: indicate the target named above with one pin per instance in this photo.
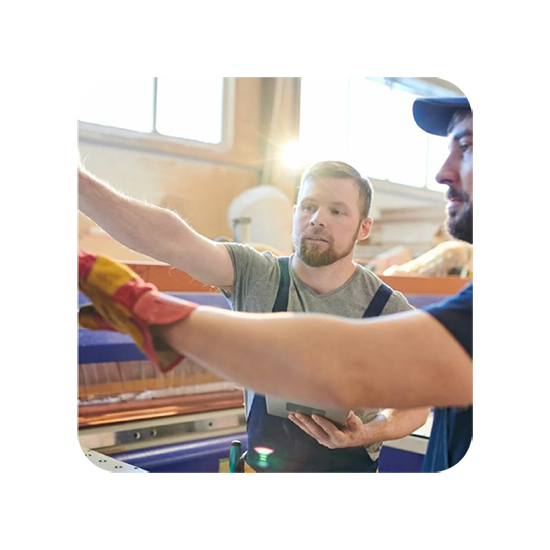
(379, 302)
(281, 303)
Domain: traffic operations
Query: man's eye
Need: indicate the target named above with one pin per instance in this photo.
(465, 146)
(307, 208)
(336, 212)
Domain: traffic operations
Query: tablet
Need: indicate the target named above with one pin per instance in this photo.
(283, 407)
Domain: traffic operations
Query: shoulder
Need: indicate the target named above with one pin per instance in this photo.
(256, 278)
(246, 253)
(367, 276)
(456, 315)
(396, 302)
(252, 268)
(461, 303)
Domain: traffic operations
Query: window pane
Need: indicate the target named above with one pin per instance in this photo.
(369, 138)
(408, 144)
(323, 118)
(119, 101)
(190, 108)
(366, 123)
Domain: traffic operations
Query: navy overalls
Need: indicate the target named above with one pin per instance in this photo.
(293, 449)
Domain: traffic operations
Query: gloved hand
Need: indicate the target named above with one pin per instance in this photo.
(123, 302)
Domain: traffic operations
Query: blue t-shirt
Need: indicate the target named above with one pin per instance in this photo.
(495, 321)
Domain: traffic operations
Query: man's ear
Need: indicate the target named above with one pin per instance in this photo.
(364, 228)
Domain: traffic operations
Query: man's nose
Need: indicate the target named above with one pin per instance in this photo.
(318, 217)
(448, 173)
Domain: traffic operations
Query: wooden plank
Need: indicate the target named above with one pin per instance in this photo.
(426, 285)
(170, 279)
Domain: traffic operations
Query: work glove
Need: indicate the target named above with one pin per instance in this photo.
(123, 302)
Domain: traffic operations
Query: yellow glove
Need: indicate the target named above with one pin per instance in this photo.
(123, 302)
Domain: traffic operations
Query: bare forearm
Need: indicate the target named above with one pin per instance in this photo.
(133, 223)
(394, 424)
(329, 360)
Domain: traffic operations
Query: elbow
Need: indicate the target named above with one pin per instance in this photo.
(424, 415)
(421, 417)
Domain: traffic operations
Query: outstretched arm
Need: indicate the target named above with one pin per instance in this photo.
(402, 361)
(154, 231)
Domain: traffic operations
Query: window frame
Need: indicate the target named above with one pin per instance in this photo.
(91, 132)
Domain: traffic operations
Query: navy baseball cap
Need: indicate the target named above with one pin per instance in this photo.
(433, 114)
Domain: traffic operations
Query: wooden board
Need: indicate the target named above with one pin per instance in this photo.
(170, 279)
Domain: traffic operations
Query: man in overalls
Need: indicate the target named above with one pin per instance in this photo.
(331, 215)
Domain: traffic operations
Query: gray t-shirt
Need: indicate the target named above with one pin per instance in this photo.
(255, 285)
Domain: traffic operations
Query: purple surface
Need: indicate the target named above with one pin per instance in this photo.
(203, 455)
(421, 300)
(399, 461)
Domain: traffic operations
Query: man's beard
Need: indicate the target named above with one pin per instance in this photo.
(459, 222)
(459, 225)
(315, 256)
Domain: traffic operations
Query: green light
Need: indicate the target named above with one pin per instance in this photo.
(263, 451)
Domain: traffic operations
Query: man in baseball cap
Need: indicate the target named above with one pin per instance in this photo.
(498, 175)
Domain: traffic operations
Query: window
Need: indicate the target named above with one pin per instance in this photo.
(185, 108)
(369, 124)
(191, 108)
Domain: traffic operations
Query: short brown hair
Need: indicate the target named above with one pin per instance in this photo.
(336, 169)
(458, 116)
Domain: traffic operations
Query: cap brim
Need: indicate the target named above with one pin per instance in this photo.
(434, 115)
